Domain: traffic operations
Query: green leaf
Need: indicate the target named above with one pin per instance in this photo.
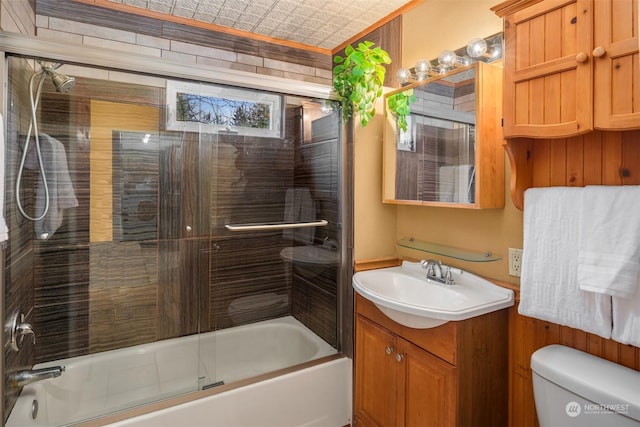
(358, 78)
(348, 51)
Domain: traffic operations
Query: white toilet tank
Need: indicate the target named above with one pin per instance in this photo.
(573, 388)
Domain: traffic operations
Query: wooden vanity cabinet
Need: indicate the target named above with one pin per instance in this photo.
(570, 66)
(451, 375)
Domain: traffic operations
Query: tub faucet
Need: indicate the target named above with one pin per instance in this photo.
(436, 272)
(20, 379)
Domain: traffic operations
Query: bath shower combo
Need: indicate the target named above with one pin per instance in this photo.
(178, 295)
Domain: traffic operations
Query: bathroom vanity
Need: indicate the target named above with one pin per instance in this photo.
(450, 375)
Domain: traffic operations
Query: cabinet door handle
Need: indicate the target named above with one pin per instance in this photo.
(399, 357)
(599, 52)
(389, 349)
(582, 57)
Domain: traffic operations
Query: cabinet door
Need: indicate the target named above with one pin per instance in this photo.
(548, 77)
(615, 62)
(375, 375)
(428, 385)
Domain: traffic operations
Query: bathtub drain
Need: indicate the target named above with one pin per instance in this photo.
(34, 409)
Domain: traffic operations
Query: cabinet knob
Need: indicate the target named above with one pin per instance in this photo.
(389, 349)
(599, 52)
(399, 357)
(582, 57)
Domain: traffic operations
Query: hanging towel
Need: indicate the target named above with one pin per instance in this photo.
(4, 231)
(609, 253)
(463, 184)
(446, 183)
(61, 193)
(548, 285)
(626, 319)
(299, 207)
(454, 183)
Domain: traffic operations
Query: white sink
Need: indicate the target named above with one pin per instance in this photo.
(406, 296)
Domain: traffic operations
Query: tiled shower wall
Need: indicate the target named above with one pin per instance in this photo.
(79, 24)
(177, 271)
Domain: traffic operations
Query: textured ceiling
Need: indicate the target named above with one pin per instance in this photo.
(324, 24)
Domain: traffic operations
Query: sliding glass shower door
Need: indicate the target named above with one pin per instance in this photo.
(149, 257)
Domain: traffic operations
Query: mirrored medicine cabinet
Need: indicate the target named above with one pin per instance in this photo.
(451, 153)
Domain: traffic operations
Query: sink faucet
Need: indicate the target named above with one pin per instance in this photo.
(436, 272)
(20, 379)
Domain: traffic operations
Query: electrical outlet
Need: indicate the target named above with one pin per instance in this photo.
(515, 261)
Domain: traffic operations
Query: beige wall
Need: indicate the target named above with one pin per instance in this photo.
(374, 223)
(436, 25)
(428, 29)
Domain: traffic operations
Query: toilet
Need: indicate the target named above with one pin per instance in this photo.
(573, 388)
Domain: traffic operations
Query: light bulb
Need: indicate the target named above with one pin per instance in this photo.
(477, 48)
(495, 51)
(422, 68)
(403, 75)
(447, 58)
(465, 60)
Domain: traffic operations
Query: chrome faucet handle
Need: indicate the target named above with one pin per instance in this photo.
(427, 264)
(448, 277)
(17, 329)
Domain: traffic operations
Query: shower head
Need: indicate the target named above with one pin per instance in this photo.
(61, 81)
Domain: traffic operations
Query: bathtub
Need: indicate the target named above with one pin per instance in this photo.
(111, 381)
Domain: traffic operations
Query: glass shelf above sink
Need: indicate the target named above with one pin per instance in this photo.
(448, 251)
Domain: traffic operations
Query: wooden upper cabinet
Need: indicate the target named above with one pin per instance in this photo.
(616, 65)
(570, 66)
(547, 89)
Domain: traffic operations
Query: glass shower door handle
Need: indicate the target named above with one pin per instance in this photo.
(275, 226)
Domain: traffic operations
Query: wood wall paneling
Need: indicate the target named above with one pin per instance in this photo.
(596, 158)
(389, 38)
(526, 335)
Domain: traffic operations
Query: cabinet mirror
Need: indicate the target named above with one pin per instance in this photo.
(451, 152)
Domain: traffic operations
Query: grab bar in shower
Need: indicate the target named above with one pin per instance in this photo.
(275, 226)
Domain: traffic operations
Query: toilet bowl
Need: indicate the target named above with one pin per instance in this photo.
(256, 307)
(573, 388)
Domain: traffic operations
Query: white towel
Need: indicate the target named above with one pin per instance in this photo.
(4, 231)
(446, 183)
(463, 184)
(299, 207)
(548, 284)
(609, 253)
(61, 193)
(626, 320)
(454, 183)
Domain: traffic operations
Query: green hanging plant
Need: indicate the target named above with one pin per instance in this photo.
(358, 78)
(399, 105)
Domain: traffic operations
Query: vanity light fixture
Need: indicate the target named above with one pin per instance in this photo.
(486, 49)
